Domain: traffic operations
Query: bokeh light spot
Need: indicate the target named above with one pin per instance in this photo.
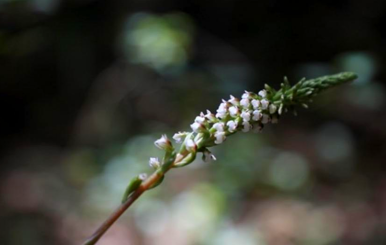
(161, 42)
(288, 171)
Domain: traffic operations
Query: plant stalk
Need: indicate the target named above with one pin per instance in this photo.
(146, 185)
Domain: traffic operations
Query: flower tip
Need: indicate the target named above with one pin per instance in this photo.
(163, 143)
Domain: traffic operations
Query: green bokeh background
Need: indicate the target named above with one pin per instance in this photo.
(87, 86)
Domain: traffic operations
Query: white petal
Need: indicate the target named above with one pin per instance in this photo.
(209, 115)
(196, 127)
(220, 137)
(178, 137)
(246, 115)
(255, 103)
(199, 119)
(246, 95)
(233, 100)
(142, 176)
(232, 125)
(264, 104)
(263, 93)
(256, 115)
(154, 162)
(163, 143)
(219, 126)
(190, 145)
(233, 111)
(245, 103)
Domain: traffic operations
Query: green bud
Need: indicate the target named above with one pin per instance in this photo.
(133, 185)
(185, 161)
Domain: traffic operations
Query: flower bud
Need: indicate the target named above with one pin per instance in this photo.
(199, 119)
(264, 104)
(164, 143)
(255, 103)
(246, 115)
(219, 126)
(210, 116)
(232, 126)
(246, 95)
(234, 101)
(220, 137)
(190, 145)
(197, 127)
(263, 93)
(256, 115)
(142, 176)
(154, 162)
(180, 136)
(233, 111)
(245, 103)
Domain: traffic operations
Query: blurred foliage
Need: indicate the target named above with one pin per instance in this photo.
(87, 86)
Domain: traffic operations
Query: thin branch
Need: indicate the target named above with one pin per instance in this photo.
(149, 182)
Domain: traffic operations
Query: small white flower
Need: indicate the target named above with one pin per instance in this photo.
(199, 119)
(256, 115)
(154, 162)
(208, 156)
(246, 95)
(222, 111)
(209, 115)
(233, 111)
(221, 115)
(190, 145)
(264, 104)
(163, 143)
(179, 137)
(244, 103)
(272, 108)
(222, 106)
(142, 176)
(246, 115)
(219, 126)
(232, 125)
(255, 103)
(246, 126)
(263, 93)
(265, 119)
(220, 137)
(197, 127)
(233, 100)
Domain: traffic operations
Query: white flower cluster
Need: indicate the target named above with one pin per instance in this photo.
(251, 112)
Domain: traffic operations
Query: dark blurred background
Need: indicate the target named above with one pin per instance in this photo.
(87, 86)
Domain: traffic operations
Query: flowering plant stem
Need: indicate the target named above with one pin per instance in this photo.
(253, 111)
